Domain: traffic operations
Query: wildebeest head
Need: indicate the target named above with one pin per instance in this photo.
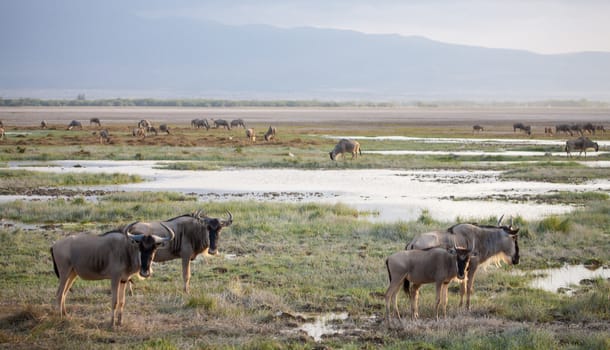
(147, 245)
(214, 227)
(510, 243)
(462, 256)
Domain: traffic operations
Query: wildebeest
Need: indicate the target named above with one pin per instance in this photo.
(194, 234)
(600, 128)
(95, 121)
(494, 243)
(564, 128)
(270, 134)
(74, 124)
(164, 128)
(251, 135)
(137, 132)
(435, 265)
(44, 124)
(221, 122)
(577, 128)
(345, 146)
(115, 255)
(581, 144)
(548, 131)
(589, 128)
(525, 128)
(144, 123)
(104, 136)
(238, 122)
(477, 128)
(1, 133)
(200, 123)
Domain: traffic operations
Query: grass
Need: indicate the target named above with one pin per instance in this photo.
(300, 258)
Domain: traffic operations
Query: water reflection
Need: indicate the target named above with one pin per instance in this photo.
(323, 325)
(560, 279)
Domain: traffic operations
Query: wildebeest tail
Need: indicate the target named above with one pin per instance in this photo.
(54, 264)
(360, 150)
(388, 268)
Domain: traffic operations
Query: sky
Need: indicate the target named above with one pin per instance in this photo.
(541, 26)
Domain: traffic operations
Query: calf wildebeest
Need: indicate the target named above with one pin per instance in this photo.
(345, 146)
(477, 128)
(581, 144)
(104, 136)
(221, 122)
(435, 265)
(494, 243)
(251, 135)
(238, 122)
(164, 128)
(114, 255)
(200, 123)
(44, 124)
(270, 134)
(95, 121)
(74, 124)
(194, 234)
(564, 128)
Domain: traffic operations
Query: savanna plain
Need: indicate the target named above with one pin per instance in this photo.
(282, 264)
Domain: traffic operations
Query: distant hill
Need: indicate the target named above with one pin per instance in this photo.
(113, 54)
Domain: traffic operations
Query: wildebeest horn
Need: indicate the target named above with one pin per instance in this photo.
(165, 239)
(126, 228)
(230, 221)
(500, 220)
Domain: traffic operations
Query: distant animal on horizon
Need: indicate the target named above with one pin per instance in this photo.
(164, 128)
(104, 136)
(525, 128)
(237, 123)
(477, 128)
(1, 133)
(564, 128)
(44, 124)
(548, 131)
(251, 135)
(74, 124)
(95, 121)
(200, 123)
(581, 144)
(221, 122)
(345, 146)
(270, 134)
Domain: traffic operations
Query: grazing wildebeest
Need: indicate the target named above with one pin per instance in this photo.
(525, 128)
(238, 122)
(137, 132)
(270, 134)
(548, 131)
(564, 128)
(577, 128)
(589, 128)
(345, 146)
(44, 124)
(115, 255)
(95, 121)
(144, 123)
(104, 136)
(435, 265)
(164, 128)
(200, 123)
(74, 124)
(221, 122)
(581, 144)
(600, 128)
(498, 243)
(194, 235)
(477, 128)
(251, 135)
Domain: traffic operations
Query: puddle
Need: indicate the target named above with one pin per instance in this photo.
(323, 325)
(393, 194)
(481, 153)
(561, 279)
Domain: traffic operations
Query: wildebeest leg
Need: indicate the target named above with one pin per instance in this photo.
(414, 300)
(186, 272)
(444, 298)
(121, 297)
(440, 287)
(391, 297)
(65, 282)
(114, 287)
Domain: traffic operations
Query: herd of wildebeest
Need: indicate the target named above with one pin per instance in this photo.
(434, 257)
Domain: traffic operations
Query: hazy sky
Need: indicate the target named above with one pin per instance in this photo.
(543, 26)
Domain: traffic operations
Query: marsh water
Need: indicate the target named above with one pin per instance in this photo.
(389, 194)
(558, 279)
